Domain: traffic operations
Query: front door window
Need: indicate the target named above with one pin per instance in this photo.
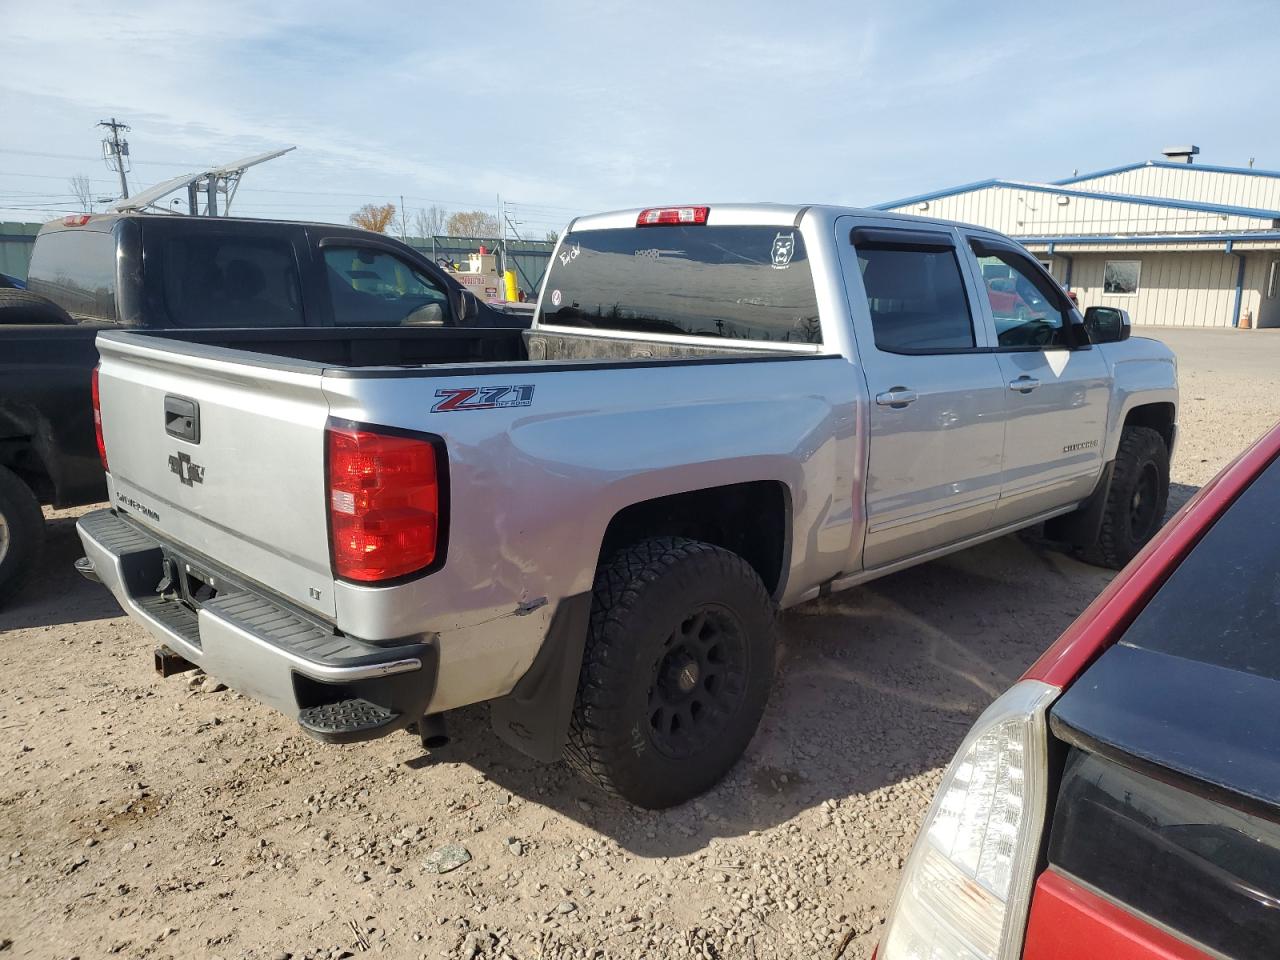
(1024, 302)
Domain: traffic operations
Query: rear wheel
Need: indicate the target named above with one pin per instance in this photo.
(1137, 499)
(21, 533)
(676, 672)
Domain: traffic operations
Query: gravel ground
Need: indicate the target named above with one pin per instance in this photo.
(174, 818)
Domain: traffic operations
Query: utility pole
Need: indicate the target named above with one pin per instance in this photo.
(404, 231)
(116, 152)
(502, 237)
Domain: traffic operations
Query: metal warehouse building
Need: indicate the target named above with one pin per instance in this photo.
(1173, 242)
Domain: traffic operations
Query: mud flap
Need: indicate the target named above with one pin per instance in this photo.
(1081, 526)
(534, 716)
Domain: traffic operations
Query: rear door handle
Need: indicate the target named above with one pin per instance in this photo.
(1024, 384)
(898, 397)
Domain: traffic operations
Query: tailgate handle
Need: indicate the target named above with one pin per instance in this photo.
(182, 418)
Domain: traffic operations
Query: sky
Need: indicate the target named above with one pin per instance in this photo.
(561, 109)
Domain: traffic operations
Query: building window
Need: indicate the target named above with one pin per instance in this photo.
(1120, 277)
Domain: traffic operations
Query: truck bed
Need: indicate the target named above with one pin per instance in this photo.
(411, 348)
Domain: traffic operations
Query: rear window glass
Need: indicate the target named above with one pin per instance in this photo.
(76, 269)
(230, 281)
(745, 283)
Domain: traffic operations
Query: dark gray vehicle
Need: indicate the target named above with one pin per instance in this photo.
(146, 271)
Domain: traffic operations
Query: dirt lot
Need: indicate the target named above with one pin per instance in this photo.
(150, 818)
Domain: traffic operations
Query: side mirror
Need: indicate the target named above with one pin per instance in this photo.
(1107, 324)
(466, 306)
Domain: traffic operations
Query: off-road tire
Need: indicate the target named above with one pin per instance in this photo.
(1136, 501)
(24, 524)
(23, 306)
(646, 597)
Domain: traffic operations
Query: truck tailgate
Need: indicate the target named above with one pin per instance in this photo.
(222, 458)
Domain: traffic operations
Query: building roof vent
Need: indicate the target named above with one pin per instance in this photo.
(1181, 154)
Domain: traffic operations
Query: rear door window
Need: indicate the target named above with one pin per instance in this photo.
(229, 280)
(76, 269)
(371, 287)
(732, 282)
(915, 292)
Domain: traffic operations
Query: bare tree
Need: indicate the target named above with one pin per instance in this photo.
(553, 236)
(82, 190)
(374, 217)
(472, 223)
(430, 221)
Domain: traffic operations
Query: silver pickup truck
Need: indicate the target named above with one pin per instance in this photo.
(591, 524)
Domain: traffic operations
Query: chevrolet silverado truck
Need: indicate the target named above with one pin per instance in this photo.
(149, 271)
(591, 524)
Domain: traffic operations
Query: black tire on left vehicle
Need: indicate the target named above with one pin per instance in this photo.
(21, 533)
(1137, 499)
(23, 306)
(676, 673)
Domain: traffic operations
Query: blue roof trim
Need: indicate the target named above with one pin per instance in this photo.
(1168, 164)
(1172, 238)
(1125, 168)
(949, 192)
(1091, 195)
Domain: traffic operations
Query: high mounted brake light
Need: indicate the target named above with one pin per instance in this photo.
(657, 216)
(75, 220)
(385, 503)
(97, 418)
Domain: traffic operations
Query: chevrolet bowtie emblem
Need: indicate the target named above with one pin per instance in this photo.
(186, 471)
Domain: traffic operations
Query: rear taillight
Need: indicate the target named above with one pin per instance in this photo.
(966, 888)
(97, 419)
(75, 220)
(657, 216)
(385, 503)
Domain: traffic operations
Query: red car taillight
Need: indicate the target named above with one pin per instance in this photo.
(385, 502)
(966, 888)
(97, 419)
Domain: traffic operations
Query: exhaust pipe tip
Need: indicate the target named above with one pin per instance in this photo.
(86, 569)
(433, 732)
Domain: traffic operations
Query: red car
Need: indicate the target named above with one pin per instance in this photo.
(1122, 800)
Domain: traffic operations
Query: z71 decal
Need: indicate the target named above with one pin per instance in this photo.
(483, 398)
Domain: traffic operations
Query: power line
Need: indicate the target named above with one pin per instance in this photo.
(48, 176)
(82, 159)
(529, 210)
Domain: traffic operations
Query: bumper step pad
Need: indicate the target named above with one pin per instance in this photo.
(345, 720)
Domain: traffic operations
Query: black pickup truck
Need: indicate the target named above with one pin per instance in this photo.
(131, 271)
